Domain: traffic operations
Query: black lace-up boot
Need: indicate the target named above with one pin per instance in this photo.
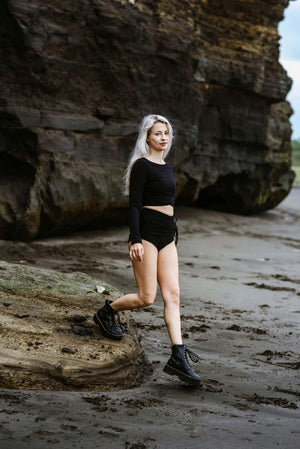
(105, 318)
(178, 365)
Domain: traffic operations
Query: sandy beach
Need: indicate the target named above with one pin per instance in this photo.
(240, 293)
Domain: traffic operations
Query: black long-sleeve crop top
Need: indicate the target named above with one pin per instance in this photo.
(151, 184)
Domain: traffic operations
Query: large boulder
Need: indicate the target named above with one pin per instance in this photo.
(49, 339)
(77, 77)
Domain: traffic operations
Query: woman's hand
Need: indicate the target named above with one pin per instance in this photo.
(136, 252)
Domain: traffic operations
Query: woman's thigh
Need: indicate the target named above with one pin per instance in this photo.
(145, 272)
(167, 272)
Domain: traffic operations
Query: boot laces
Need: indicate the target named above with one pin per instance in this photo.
(114, 321)
(192, 355)
(123, 326)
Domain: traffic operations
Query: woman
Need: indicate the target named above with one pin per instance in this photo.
(150, 183)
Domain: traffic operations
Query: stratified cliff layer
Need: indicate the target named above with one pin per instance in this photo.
(77, 77)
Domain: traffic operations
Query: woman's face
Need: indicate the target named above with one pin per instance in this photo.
(158, 138)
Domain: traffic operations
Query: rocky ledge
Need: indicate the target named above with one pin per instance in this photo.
(48, 338)
(77, 77)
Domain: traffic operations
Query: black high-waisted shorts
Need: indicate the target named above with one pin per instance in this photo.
(158, 228)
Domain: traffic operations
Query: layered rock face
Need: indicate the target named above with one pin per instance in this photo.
(48, 337)
(77, 77)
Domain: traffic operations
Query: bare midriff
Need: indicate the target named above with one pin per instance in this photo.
(168, 210)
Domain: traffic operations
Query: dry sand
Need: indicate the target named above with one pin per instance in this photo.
(240, 288)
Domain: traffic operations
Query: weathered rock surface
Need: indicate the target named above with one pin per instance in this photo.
(49, 340)
(77, 77)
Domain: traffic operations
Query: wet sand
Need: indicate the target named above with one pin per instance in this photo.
(240, 290)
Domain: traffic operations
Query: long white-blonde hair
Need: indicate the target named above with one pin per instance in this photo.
(141, 148)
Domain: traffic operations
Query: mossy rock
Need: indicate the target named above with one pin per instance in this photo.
(48, 337)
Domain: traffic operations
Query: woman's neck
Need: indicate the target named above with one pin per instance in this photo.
(156, 157)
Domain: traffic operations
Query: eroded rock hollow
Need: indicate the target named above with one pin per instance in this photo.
(77, 77)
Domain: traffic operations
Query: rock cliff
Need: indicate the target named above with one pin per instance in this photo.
(77, 77)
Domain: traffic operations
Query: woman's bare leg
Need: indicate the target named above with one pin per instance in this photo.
(178, 364)
(145, 273)
(167, 274)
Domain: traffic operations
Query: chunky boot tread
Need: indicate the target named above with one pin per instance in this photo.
(185, 377)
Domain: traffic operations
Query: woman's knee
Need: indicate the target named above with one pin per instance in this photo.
(146, 299)
(172, 297)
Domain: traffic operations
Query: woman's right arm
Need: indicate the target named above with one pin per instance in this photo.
(137, 183)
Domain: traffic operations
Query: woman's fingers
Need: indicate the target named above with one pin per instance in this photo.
(136, 252)
(141, 253)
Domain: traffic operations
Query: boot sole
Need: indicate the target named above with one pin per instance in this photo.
(174, 372)
(104, 331)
